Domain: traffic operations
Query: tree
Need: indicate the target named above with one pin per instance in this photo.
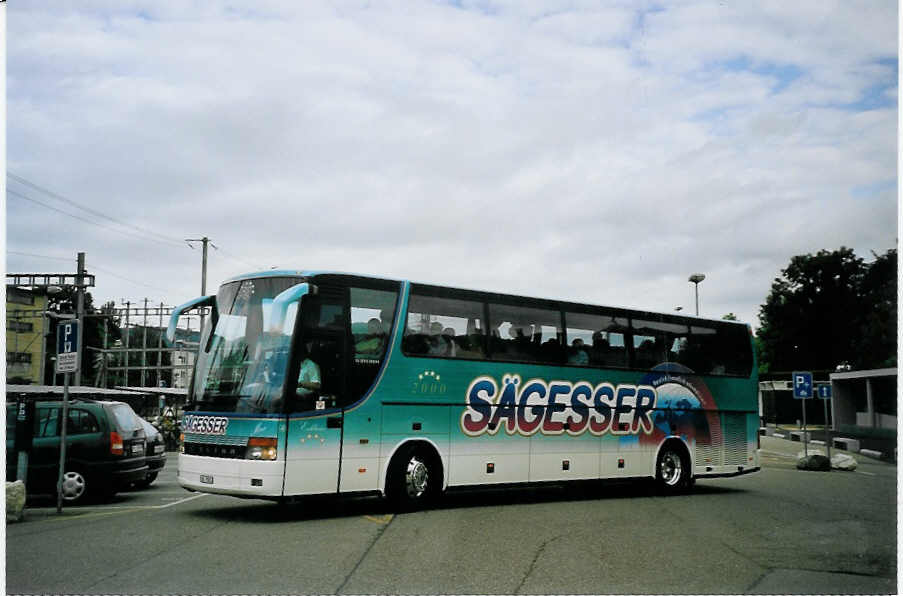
(829, 308)
(875, 345)
(66, 302)
(729, 317)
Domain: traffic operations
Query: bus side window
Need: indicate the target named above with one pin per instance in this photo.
(595, 339)
(443, 328)
(526, 334)
(372, 320)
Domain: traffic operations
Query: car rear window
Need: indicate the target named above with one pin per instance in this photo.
(149, 429)
(125, 417)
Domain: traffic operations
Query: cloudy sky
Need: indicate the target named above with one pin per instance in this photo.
(592, 151)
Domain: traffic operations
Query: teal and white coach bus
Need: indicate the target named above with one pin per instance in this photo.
(409, 389)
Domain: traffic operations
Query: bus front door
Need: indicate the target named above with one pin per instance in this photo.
(314, 433)
(313, 454)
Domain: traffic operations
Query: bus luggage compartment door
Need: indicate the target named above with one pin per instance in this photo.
(313, 453)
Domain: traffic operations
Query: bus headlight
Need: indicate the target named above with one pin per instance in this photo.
(261, 448)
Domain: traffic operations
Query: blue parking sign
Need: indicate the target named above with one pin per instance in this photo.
(67, 346)
(802, 385)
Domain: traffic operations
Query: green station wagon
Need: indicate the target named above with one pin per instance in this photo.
(104, 449)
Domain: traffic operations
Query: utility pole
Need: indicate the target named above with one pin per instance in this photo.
(43, 377)
(204, 241)
(80, 313)
(144, 346)
(127, 308)
(106, 332)
(159, 349)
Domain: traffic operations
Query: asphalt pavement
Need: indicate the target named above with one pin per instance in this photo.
(779, 531)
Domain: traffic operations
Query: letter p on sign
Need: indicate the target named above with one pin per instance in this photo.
(67, 347)
(802, 385)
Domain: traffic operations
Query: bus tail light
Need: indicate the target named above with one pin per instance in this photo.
(182, 443)
(261, 448)
(116, 447)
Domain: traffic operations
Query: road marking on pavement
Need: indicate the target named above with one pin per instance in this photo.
(105, 510)
(381, 519)
(185, 500)
(90, 515)
(778, 454)
(866, 473)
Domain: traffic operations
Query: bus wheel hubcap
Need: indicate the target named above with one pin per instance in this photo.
(416, 477)
(671, 468)
(73, 486)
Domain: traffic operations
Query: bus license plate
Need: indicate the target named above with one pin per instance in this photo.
(205, 479)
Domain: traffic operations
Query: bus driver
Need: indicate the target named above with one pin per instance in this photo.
(308, 375)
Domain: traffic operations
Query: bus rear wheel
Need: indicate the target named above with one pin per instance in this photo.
(413, 479)
(672, 470)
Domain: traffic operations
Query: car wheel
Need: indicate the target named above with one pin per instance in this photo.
(75, 487)
(414, 480)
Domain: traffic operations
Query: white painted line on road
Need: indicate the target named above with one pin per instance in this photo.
(185, 500)
(121, 508)
(866, 473)
(779, 435)
(777, 453)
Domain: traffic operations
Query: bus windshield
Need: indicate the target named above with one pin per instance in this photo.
(241, 367)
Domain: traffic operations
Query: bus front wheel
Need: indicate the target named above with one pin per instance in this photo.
(414, 479)
(672, 470)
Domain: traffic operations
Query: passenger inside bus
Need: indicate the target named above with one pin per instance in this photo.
(439, 343)
(578, 353)
(372, 343)
(448, 336)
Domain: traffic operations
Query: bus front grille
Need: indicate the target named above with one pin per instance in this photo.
(230, 450)
(208, 450)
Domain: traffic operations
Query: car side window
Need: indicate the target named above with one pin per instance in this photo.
(46, 422)
(82, 422)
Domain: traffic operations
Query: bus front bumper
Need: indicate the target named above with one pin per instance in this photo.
(237, 477)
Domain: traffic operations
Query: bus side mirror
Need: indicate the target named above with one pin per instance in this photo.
(283, 301)
(177, 311)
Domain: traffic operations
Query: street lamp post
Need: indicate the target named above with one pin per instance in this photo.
(696, 278)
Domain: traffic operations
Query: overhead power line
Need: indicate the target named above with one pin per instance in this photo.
(85, 219)
(28, 254)
(238, 259)
(105, 270)
(59, 197)
(145, 234)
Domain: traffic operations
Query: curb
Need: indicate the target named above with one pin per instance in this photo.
(872, 453)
